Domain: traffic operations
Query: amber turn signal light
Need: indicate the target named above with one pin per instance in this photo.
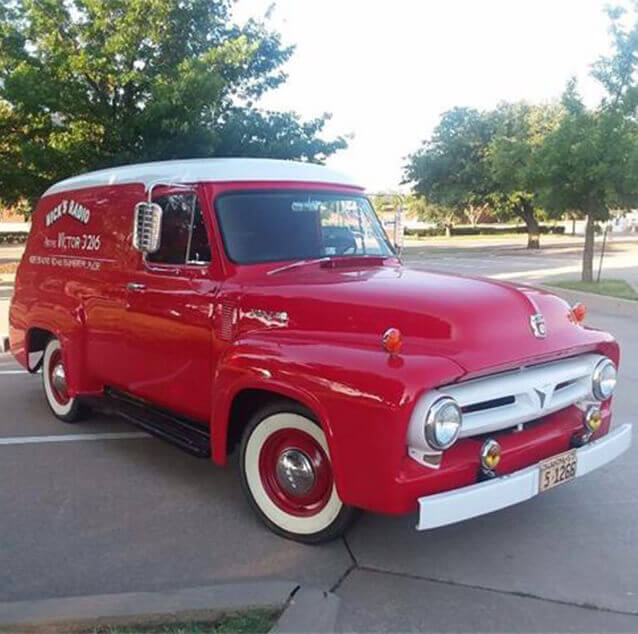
(593, 418)
(490, 455)
(578, 312)
(392, 340)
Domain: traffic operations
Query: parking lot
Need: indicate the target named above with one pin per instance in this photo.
(508, 259)
(100, 508)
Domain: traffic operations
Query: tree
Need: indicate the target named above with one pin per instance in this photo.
(476, 213)
(519, 132)
(477, 161)
(449, 169)
(589, 163)
(86, 84)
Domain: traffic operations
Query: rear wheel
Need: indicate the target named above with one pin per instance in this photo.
(287, 475)
(66, 408)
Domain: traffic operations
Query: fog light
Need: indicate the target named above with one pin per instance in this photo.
(593, 418)
(490, 455)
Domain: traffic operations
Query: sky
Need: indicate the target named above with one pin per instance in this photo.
(387, 69)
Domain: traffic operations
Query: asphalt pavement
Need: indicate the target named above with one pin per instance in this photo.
(99, 508)
(559, 259)
(101, 515)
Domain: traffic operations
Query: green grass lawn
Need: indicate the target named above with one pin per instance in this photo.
(249, 622)
(611, 288)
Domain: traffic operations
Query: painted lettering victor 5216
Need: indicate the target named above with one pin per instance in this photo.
(257, 306)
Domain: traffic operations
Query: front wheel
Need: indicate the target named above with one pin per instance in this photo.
(66, 408)
(287, 475)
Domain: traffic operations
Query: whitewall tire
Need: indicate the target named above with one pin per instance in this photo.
(61, 404)
(287, 475)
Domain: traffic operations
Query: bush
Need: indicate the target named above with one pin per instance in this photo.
(480, 230)
(13, 238)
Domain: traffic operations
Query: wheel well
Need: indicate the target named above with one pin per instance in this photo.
(37, 339)
(245, 404)
(36, 342)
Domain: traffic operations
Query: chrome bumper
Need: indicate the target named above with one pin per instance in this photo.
(478, 499)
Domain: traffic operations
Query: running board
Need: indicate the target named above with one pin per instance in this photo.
(189, 435)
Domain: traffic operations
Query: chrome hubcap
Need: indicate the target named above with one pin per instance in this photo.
(58, 378)
(295, 472)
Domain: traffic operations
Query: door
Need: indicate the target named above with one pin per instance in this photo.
(170, 302)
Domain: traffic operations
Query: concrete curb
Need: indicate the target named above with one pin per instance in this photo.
(600, 303)
(80, 613)
(309, 610)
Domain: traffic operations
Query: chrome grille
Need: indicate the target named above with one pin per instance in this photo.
(511, 398)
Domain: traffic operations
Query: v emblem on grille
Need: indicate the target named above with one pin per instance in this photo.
(542, 396)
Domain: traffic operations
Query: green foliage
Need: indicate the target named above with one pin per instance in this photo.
(13, 238)
(92, 83)
(589, 163)
(477, 161)
(481, 230)
(449, 170)
(564, 157)
(413, 205)
(247, 622)
(520, 130)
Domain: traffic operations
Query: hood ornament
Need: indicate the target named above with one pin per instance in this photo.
(537, 322)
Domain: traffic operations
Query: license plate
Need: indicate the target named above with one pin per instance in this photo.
(556, 470)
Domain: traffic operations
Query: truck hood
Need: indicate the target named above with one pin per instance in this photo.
(479, 323)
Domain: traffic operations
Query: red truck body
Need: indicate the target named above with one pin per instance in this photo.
(208, 341)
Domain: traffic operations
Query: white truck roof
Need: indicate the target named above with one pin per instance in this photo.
(206, 170)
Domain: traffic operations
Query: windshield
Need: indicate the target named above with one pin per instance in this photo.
(259, 226)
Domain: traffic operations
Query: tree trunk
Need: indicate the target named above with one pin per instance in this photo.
(587, 274)
(448, 230)
(526, 212)
(475, 213)
(573, 225)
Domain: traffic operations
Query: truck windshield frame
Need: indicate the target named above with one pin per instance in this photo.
(280, 225)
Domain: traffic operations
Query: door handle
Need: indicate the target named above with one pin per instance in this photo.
(135, 286)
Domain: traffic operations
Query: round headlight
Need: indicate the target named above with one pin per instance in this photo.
(443, 423)
(604, 379)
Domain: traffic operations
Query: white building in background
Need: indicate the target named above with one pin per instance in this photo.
(625, 223)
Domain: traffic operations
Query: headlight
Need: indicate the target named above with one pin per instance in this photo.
(604, 379)
(443, 423)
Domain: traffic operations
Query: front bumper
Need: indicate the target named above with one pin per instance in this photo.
(478, 499)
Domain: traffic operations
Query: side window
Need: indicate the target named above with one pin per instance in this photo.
(184, 238)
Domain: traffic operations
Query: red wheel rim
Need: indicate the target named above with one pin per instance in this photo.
(310, 501)
(59, 393)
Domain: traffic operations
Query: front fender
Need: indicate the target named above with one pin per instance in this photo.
(362, 398)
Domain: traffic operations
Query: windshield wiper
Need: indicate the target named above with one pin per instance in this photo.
(353, 260)
(333, 261)
(294, 265)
